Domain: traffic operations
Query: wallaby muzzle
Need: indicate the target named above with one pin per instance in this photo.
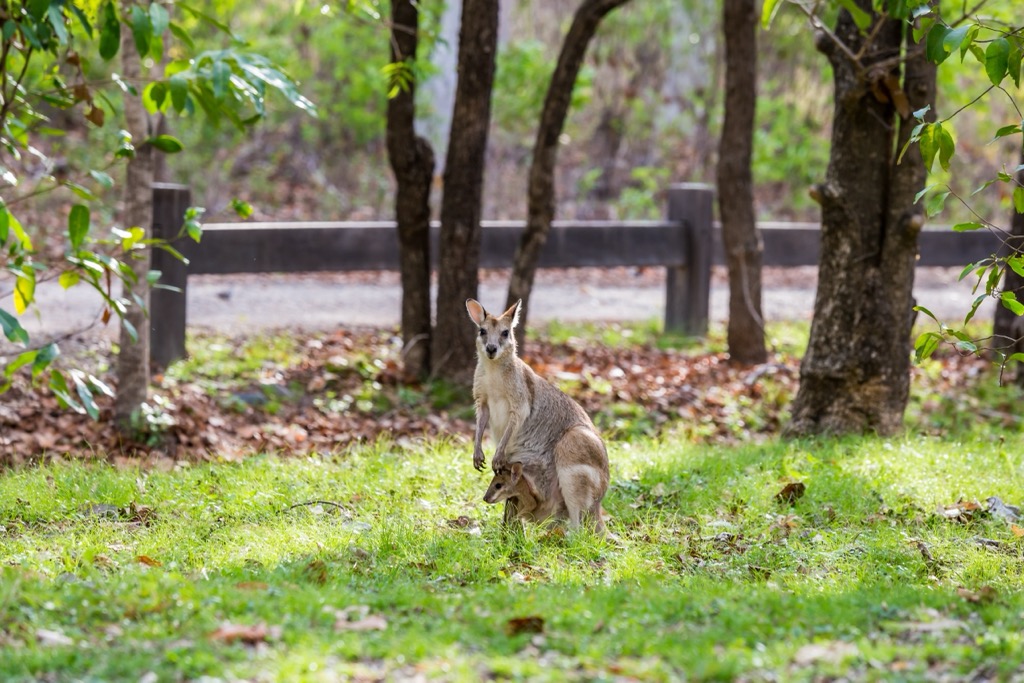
(492, 350)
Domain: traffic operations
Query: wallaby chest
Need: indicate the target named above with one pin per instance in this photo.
(505, 392)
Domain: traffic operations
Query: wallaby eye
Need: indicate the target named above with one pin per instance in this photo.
(483, 332)
(497, 487)
(504, 334)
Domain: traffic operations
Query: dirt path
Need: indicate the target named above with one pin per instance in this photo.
(253, 303)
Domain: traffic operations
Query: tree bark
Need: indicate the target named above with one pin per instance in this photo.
(1008, 327)
(541, 190)
(133, 355)
(855, 376)
(412, 160)
(742, 239)
(453, 344)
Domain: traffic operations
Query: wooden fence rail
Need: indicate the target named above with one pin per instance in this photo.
(686, 244)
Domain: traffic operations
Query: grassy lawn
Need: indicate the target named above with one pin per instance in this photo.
(403, 572)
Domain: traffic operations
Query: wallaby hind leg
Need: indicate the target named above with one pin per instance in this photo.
(582, 476)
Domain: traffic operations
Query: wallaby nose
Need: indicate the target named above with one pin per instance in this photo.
(492, 349)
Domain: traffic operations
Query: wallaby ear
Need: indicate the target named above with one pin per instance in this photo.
(513, 312)
(476, 311)
(516, 471)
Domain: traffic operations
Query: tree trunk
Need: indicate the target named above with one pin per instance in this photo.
(412, 160)
(855, 376)
(1008, 327)
(133, 355)
(453, 344)
(541, 191)
(742, 240)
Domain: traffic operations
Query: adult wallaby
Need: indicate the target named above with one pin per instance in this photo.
(535, 424)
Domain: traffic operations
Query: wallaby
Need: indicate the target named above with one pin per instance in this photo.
(535, 424)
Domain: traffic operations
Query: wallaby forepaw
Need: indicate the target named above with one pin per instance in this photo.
(478, 461)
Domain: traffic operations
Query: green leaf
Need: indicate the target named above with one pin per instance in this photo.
(859, 16)
(925, 345)
(1016, 264)
(69, 278)
(24, 290)
(974, 308)
(946, 146)
(241, 208)
(1013, 63)
(965, 227)
(44, 358)
(20, 361)
(221, 78)
(133, 334)
(768, 11)
(19, 232)
(968, 40)
(955, 37)
(56, 19)
(167, 144)
(1009, 300)
(935, 49)
(83, 192)
(927, 312)
(181, 34)
(1018, 199)
(936, 203)
(996, 60)
(104, 179)
(966, 346)
(1007, 130)
(142, 29)
(85, 394)
(929, 145)
(159, 19)
(110, 32)
(78, 225)
(59, 387)
(179, 92)
(12, 328)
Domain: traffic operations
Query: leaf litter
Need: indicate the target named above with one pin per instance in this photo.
(345, 388)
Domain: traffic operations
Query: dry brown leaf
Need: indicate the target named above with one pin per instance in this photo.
(149, 561)
(791, 492)
(983, 596)
(531, 624)
(252, 585)
(1017, 531)
(248, 634)
(358, 618)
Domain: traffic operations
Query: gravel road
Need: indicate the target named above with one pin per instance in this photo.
(246, 304)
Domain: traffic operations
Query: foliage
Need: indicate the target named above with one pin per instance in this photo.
(49, 50)
(310, 568)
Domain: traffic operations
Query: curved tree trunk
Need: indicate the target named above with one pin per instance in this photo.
(1009, 327)
(412, 160)
(453, 342)
(742, 239)
(133, 354)
(855, 376)
(541, 191)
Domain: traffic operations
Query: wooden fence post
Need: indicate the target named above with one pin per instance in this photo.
(167, 307)
(688, 287)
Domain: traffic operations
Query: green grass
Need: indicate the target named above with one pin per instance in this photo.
(710, 577)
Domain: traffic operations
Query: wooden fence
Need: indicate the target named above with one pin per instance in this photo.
(686, 244)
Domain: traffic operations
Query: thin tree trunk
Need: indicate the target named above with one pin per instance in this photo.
(1008, 327)
(855, 376)
(133, 355)
(412, 160)
(453, 345)
(541, 191)
(742, 239)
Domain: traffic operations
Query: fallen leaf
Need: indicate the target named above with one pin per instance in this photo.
(833, 652)
(791, 492)
(149, 561)
(316, 572)
(517, 625)
(50, 638)
(248, 634)
(1017, 531)
(983, 596)
(358, 618)
(252, 586)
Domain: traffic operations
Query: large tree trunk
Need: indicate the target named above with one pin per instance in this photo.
(133, 355)
(855, 376)
(742, 240)
(453, 344)
(412, 160)
(541, 191)
(1008, 327)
